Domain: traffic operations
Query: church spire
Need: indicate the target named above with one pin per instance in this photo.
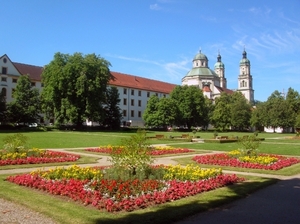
(244, 53)
(219, 56)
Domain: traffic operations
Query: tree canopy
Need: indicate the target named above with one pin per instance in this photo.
(191, 106)
(74, 88)
(25, 106)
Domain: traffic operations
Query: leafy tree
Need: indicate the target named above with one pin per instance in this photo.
(278, 112)
(113, 115)
(191, 106)
(75, 88)
(240, 111)
(166, 112)
(259, 115)
(150, 113)
(221, 116)
(293, 102)
(2, 107)
(25, 106)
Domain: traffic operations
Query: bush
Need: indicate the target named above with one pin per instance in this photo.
(15, 143)
(134, 157)
(249, 145)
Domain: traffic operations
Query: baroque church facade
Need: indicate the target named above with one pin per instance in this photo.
(213, 82)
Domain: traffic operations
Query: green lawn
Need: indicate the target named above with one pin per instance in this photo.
(66, 211)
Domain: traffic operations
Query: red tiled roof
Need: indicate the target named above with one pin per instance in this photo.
(206, 89)
(118, 79)
(34, 72)
(229, 91)
(130, 81)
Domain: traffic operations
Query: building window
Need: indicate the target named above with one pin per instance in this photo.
(4, 70)
(132, 102)
(132, 92)
(33, 84)
(14, 80)
(164, 95)
(140, 113)
(4, 60)
(12, 93)
(124, 113)
(156, 94)
(140, 103)
(132, 113)
(3, 79)
(140, 92)
(125, 91)
(3, 92)
(124, 101)
(148, 94)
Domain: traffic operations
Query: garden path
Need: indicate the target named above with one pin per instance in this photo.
(278, 203)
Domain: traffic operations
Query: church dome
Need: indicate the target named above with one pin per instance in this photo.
(201, 71)
(244, 59)
(200, 56)
(219, 63)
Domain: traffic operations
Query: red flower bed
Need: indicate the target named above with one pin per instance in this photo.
(223, 159)
(152, 152)
(46, 157)
(114, 195)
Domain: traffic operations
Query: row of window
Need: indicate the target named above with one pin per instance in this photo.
(139, 93)
(132, 102)
(132, 113)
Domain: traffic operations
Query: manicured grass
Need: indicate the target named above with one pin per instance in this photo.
(282, 147)
(64, 211)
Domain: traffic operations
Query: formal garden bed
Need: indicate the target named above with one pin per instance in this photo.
(154, 151)
(94, 186)
(35, 156)
(237, 158)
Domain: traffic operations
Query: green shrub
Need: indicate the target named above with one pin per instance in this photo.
(15, 143)
(249, 145)
(134, 157)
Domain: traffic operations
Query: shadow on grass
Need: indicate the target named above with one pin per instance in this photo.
(178, 210)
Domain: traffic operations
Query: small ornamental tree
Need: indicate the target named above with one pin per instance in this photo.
(133, 157)
(249, 145)
(15, 143)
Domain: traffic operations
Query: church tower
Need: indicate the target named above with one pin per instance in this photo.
(245, 85)
(220, 70)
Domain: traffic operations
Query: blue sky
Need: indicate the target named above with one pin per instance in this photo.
(158, 39)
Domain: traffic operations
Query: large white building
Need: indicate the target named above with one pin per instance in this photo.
(213, 82)
(134, 91)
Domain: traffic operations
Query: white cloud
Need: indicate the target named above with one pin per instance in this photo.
(155, 7)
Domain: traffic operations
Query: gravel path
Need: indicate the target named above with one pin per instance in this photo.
(12, 213)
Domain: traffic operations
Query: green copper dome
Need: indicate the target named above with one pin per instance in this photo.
(200, 71)
(245, 59)
(219, 63)
(200, 56)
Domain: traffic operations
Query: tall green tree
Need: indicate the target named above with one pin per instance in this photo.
(278, 112)
(2, 107)
(258, 116)
(113, 114)
(293, 102)
(75, 88)
(221, 116)
(25, 107)
(191, 105)
(240, 111)
(150, 113)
